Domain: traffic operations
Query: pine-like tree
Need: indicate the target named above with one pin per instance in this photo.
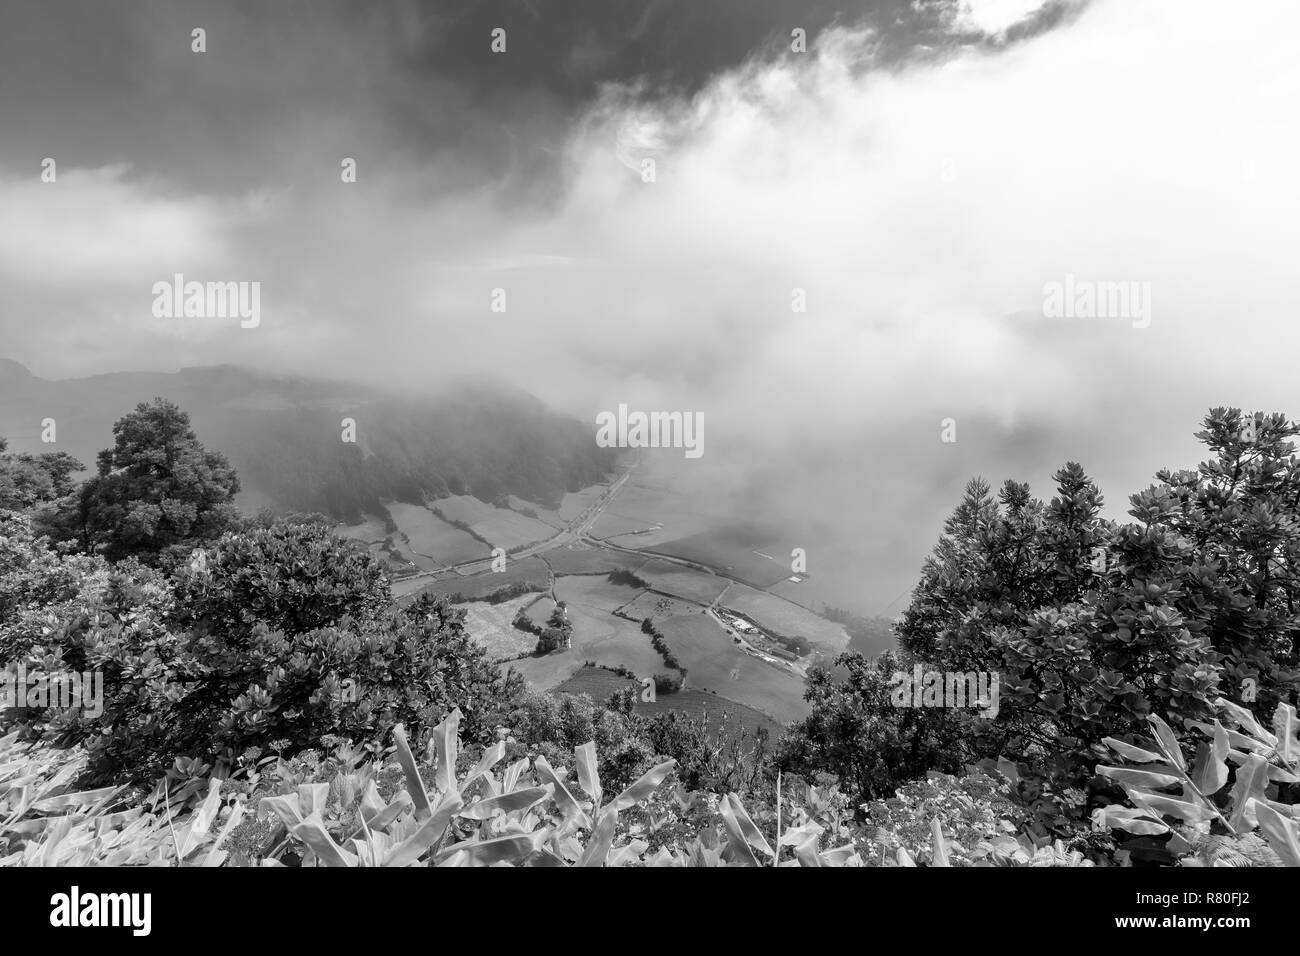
(158, 490)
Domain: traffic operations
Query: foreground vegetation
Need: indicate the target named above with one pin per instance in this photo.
(264, 698)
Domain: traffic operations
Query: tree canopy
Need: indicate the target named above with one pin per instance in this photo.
(157, 490)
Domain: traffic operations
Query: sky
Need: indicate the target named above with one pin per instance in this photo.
(922, 172)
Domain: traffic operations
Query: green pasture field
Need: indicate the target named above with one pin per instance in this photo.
(478, 586)
(714, 662)
(430, 536)
(490, 627)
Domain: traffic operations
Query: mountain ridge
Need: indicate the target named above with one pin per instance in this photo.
(285, 435)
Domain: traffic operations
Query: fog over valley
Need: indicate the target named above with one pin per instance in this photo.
(650, 433)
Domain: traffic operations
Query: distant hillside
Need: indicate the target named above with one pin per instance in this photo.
(284, 436)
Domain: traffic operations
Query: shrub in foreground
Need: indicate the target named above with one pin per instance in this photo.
(353, 809)
(276, 639)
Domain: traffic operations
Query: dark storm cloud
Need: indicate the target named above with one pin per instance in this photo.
(103, 82)
(107, 83)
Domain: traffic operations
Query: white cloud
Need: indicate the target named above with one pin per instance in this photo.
(101, 225)
(993, 17)
(948, 193)
(922, 207)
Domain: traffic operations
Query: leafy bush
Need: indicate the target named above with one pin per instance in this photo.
(209, 699)
(854, 732)
(975, 810)
(626, 577)
(523, 622)
(1093, 626)
(356, 809)
(557, 633)
(667, 683)
(30, 480)
(1207, 820)
(289, 577)
(720, 761)
(33, 576)
(553, 724)
(282, 634)
(551, 639)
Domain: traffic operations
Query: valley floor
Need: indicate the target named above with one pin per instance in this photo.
(704, 585)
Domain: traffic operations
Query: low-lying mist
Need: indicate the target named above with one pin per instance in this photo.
(833, 257)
